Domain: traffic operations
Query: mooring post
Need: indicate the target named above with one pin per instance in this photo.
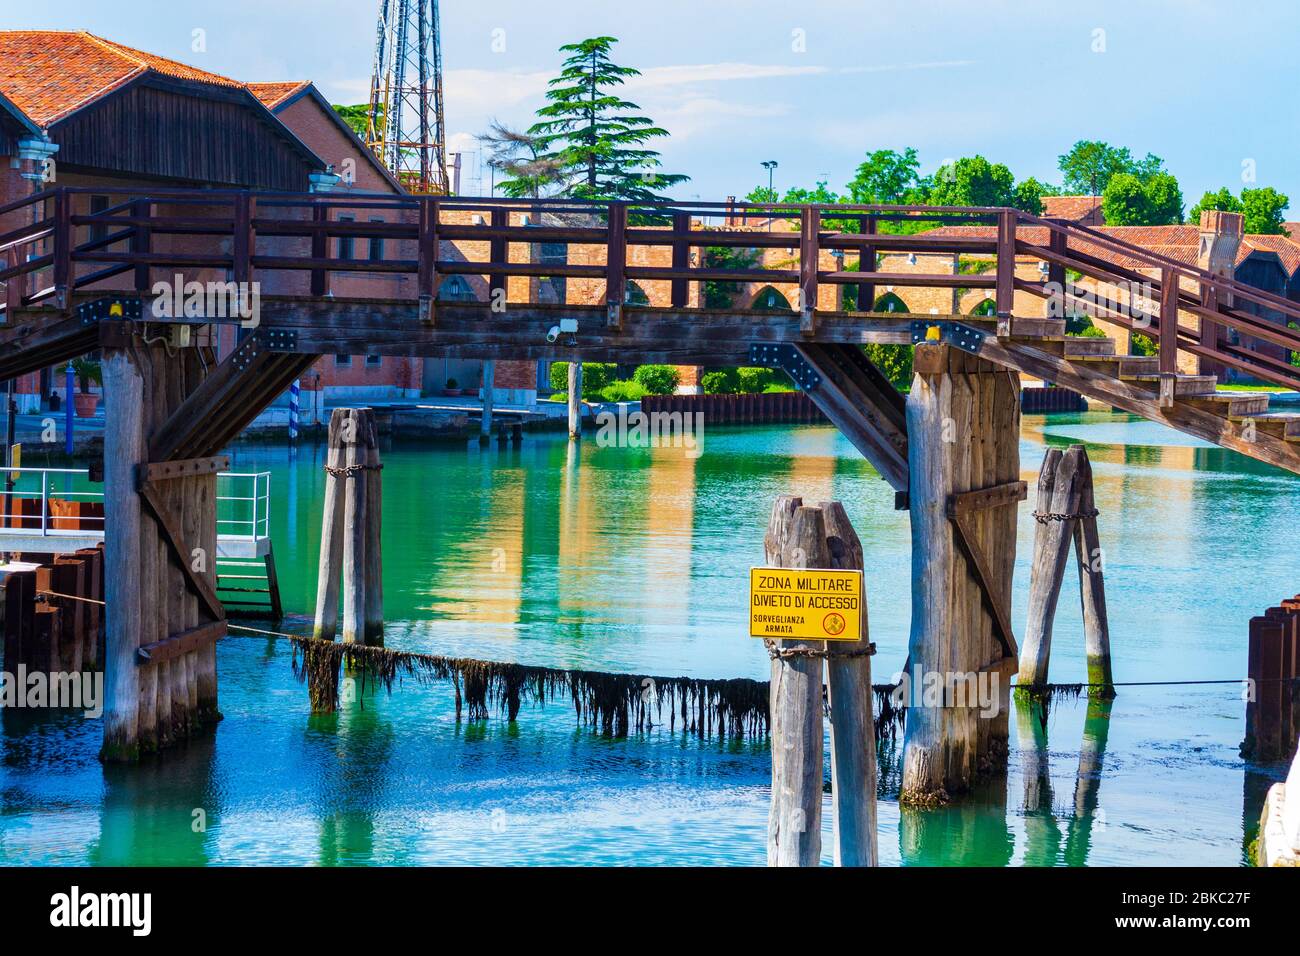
(796, 538)
(1056, 514)
(489, 384)
(853, 732)
(963, 427)
(374, 582)
(1092, 586)
(123, 450)
(354, 529)
(575, 400)
(331, 538)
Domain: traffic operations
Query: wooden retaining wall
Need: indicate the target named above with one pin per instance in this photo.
(51, 623)
(764, 408)
(1273, 666)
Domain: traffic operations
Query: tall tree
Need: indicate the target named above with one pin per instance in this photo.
(595, 138)
(885, 177)
(1090, 165)
(1128, 201)
(518, 156)
(974, 181)
(1263, 210)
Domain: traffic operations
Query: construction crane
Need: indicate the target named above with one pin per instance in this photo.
(405, 126)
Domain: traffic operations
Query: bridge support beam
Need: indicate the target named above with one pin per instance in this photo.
(963, 430)
(162, 615)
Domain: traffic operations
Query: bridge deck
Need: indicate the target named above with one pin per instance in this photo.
(299, 248)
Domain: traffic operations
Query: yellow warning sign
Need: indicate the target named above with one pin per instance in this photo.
(805, 604)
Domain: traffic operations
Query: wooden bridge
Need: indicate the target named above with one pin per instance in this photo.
(77, 280)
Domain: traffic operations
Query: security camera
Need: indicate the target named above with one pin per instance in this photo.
(553, 334)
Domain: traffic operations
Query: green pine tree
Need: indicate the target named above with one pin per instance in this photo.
(595, 138)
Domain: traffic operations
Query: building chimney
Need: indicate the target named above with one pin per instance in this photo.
(1220, 239)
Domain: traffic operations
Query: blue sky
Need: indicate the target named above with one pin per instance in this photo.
(813, 84)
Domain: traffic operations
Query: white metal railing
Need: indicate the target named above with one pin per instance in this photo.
(29, 498)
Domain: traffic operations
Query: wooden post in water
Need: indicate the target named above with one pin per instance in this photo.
(330, 565)
(796, 538)
(853, 732)
(489, 384)
(374, 582)
(354, 530)
(1056, 514)
(351, 532)
(575, 399)
(1066, 512)
(1092, 588)
(123, 449)
(963, 426)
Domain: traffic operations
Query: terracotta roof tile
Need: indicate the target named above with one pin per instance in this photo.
(273, 94)
(1073, 208)
(49, 74)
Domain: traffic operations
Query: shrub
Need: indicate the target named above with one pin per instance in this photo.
(723, 381)
(623, 391)
(657, 379)
(751, 381)
(1142, 345)
(595, 376)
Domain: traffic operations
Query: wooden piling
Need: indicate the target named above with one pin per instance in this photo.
(489, 384)
(796, 538)
(575, 400)
(123, 450)
(354, 531)
(1092, 587)
(963, 424)
(1058, 505)
(853, 732)
(332, 530)
(374, 567)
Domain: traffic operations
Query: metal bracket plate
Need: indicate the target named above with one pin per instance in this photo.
(280, 340)
(125, 308)
(965, 337)
(788, 359)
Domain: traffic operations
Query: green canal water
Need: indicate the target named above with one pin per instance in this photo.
(636, 560)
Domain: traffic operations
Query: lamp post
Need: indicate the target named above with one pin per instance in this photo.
(770, 165)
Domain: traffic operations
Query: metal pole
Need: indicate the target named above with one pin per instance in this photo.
(67, 412)
(293, 411)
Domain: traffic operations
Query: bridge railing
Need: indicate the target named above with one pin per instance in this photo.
(407, 247)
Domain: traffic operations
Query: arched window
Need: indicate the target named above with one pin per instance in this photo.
(455, 289)
(891, 303)
(769, 300)
(987, 307)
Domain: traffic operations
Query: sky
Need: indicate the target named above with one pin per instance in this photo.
(1209, 85)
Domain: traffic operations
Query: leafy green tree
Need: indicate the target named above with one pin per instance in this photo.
(1090, 165)
(1128, 201)
(594, 137)
(1222, 200)
(894, 361)
(1264, 210)
(358, 117)
(885, 177)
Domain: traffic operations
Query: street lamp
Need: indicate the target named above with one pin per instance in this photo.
(770, 165)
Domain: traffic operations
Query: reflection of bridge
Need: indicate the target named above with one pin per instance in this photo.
(950, 450)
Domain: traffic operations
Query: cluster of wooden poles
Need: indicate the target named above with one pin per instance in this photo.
(351, 529)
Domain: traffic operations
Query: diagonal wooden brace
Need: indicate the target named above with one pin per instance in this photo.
(171, 531)
(960, 508)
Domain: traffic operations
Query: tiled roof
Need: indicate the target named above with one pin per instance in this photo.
(273, 94)
(1073, 208)
(49, 74)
